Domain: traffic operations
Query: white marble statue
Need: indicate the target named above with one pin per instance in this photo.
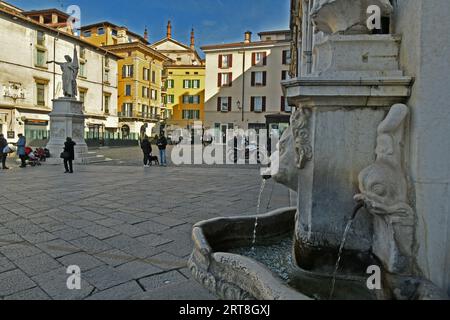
(69, 74)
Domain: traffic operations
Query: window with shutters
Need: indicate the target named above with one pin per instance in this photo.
(153, 77)
(259, 78)
(224, 104)
(187, 84)
(259, 59)
(225, 79)
(195, 84)
(170, 98)
(127, 71)
(225, 61)
(258, 104)
(170, 84)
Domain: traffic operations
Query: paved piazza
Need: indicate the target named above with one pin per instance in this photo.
(126, 227)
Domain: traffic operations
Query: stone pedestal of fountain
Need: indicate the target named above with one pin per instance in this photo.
(67, 120)
(355, 82)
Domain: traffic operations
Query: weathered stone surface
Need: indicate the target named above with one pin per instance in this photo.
(161, 280)
(38, 264)
(29, 295)
(121, 292)
(188, 290)
(106, 277)
(19, 250)
(53, 212)
(83, 260)
(14, 281)
(139, 268)
(54, 283)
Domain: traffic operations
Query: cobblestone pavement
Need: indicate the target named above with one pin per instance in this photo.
(126, 227)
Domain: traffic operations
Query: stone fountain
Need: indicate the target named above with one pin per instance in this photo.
(345, 147)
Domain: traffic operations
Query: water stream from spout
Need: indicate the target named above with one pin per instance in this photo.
(341, 248)
(271, 196)
(258, 209)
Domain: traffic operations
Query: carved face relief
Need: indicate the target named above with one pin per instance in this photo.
(300, 131)
(283, 168)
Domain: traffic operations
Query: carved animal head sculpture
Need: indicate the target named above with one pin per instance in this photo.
(383, 185)
(282, 162)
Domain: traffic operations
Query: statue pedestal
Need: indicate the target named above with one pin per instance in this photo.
(67, 120)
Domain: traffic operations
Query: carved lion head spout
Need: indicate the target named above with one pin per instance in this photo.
(383, 185)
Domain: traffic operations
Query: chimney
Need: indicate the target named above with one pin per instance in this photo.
(248, 37)
(122, 35)
(146, 34)
(169, 30)
(192, 39)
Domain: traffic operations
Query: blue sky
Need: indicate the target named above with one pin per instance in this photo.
(215, 21)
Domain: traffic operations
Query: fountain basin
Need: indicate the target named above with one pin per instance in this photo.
(224, 262)
(236, 277)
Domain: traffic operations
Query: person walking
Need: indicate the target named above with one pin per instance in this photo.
(3, 155)
(21, 152)
(146, 147)
(161, 142)
(69, 150)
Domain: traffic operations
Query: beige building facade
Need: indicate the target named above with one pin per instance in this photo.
(243, 82)
(28, 84)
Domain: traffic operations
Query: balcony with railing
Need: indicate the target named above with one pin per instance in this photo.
(137, 115)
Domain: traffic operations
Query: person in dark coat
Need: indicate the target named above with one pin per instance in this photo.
(161, 142)
(146, 147)
(69, 148)
(3, 156)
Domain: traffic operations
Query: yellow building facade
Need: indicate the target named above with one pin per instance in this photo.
(141, 92)
(185, 82)
(185, 95)
(140, 88)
